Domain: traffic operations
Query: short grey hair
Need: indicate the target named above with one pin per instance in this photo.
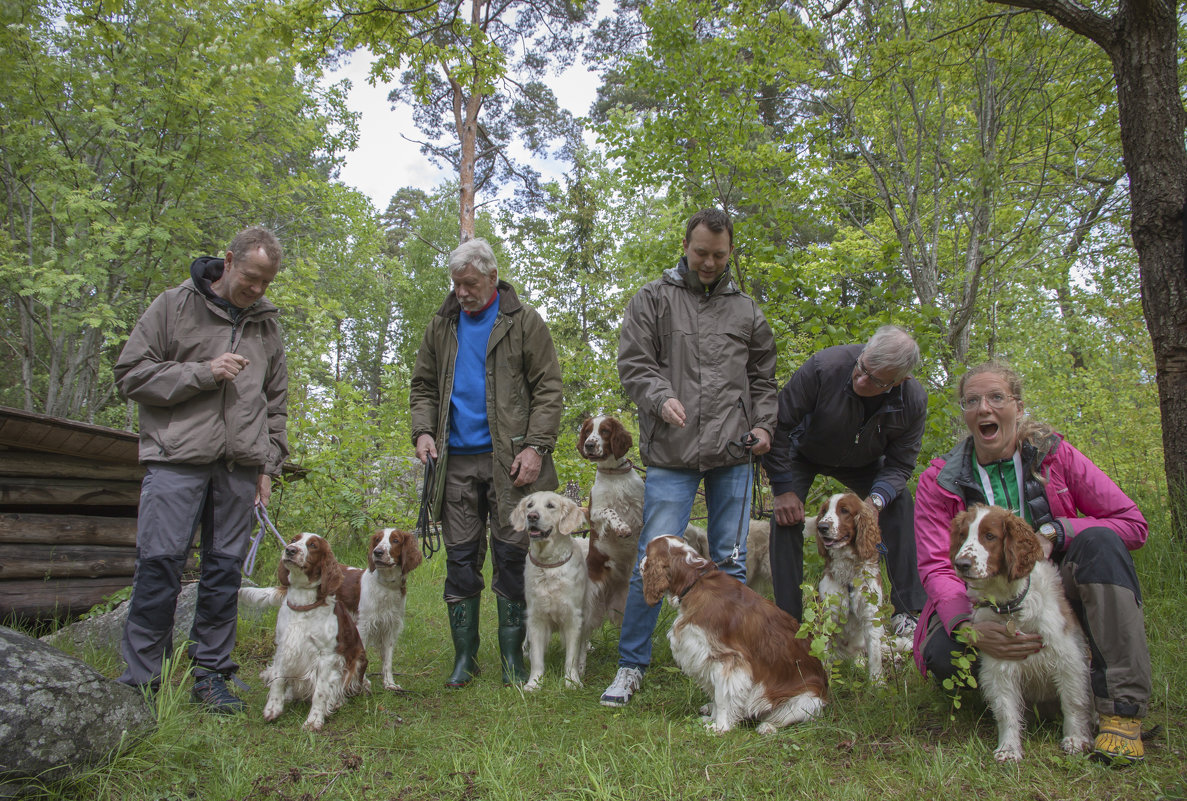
(892, 348)
(476, 253)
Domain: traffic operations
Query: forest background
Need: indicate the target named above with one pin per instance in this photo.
(951, 167)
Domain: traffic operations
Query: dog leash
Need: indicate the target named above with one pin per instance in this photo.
(261, 512)
(428, 532)
(747, 442)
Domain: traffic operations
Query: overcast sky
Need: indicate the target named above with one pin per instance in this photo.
(384, 160)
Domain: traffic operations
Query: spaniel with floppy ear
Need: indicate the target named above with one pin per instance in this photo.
(737, 646)
(376, 596)
(555, 583)
(319, 654)
(1009, 582)
(615, 515)
(847, 536)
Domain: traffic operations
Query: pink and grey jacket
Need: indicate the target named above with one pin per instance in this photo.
(1081, 496)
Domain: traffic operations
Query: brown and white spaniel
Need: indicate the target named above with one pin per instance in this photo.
(737, 646)
(847, 536)
(615, 514)
(376, 596)
(319, 654)
(1001, 561)
(555, 583)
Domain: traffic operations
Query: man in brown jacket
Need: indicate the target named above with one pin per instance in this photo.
(698, 359)
(486, 404)
(206, 365)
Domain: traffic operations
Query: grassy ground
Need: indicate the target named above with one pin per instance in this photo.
(901, 741)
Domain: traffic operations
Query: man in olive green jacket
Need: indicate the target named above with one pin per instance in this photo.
(486, 404)
(206, 365)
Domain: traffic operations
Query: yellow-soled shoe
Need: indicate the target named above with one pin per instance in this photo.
(1119, 741)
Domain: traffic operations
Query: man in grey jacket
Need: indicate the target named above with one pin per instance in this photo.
(852, 412)
(697, 357)
(206, 365)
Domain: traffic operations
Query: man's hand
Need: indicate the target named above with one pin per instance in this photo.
(526, 467)
(227, 366)
(263, 489)
(673, 413)
(426, 446)
(762, 441)
(995, 640)
(789, 509)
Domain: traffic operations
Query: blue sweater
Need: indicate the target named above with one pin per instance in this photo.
(469, 431)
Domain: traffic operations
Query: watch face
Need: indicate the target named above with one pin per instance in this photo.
(1047, 530)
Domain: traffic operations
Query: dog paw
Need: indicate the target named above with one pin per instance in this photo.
(272, 711)
(1075, 745)
(391, 685)
(1008, 753)
(313, 723)
(573, 681)
(766, 728)
(717, 728)
(706, 710)
(532, 685)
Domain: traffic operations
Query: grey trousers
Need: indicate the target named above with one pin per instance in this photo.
(174, 499)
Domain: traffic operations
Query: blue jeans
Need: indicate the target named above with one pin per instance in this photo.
(667, 505)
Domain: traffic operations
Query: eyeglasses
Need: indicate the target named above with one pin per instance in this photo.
(861, 368)
(996, 401)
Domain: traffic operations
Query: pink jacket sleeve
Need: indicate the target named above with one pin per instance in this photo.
(1082, 496)
(934, 509)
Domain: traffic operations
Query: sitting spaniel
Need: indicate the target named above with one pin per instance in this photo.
(1001, 561)
(738, 646)
(615, 514)
(556, 586)
(847, 536)
(376, 596)
(319, 654)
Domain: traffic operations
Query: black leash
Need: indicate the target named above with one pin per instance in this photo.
(427, 531)
(747, 443)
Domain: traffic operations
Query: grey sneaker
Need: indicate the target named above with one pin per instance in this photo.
(903, 625)
(211, 691)
(626, 681)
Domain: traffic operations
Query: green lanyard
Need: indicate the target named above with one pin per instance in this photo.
(1001, 482)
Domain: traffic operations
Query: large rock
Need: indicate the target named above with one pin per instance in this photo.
(58, 716)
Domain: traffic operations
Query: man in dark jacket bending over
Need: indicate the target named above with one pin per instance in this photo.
(852, 412)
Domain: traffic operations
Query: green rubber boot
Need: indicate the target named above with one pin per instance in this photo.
(512, 630)
(463, 625)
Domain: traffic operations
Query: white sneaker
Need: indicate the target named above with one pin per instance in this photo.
(903, 625)
(626, 681)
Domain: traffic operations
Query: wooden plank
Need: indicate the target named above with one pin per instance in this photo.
(67, 529)
(68, 492)
(58, 435)
(65, 561)
(46, 465)
(41, 599)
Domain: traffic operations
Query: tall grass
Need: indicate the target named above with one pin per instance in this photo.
(900, 741)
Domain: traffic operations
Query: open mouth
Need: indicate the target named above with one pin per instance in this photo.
(833, 542)
(538, 534)
(989, 429)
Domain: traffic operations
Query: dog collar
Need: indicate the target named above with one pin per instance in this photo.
(305, 607)
(624, 466)
(700, 574)
(1011, 606)
(538, 563)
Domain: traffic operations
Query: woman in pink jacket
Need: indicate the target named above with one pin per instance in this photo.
(1088, 526)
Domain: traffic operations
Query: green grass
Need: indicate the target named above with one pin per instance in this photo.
(901, 741)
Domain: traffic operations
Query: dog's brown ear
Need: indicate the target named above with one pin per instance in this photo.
(282, 574)
(1022, 548)
(620, 441)
(583, 435)
(868, 533)
(958, 531)
(331, 575)
(574, 517)
(410, 555)
(657, 575)
(376, 536)
(519, 515)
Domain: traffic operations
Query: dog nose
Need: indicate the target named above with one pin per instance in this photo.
(823, 526)
(962, 563)
(290, 550)
(378, 552)
(533, 516)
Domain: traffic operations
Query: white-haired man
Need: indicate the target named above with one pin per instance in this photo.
(486, 404)
(854, 413)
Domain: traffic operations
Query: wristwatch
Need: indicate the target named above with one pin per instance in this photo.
(543, 450)
(1050, 532)
(877, 501)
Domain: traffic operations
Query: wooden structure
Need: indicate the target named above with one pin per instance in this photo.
(68, 498)
(69, 492)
